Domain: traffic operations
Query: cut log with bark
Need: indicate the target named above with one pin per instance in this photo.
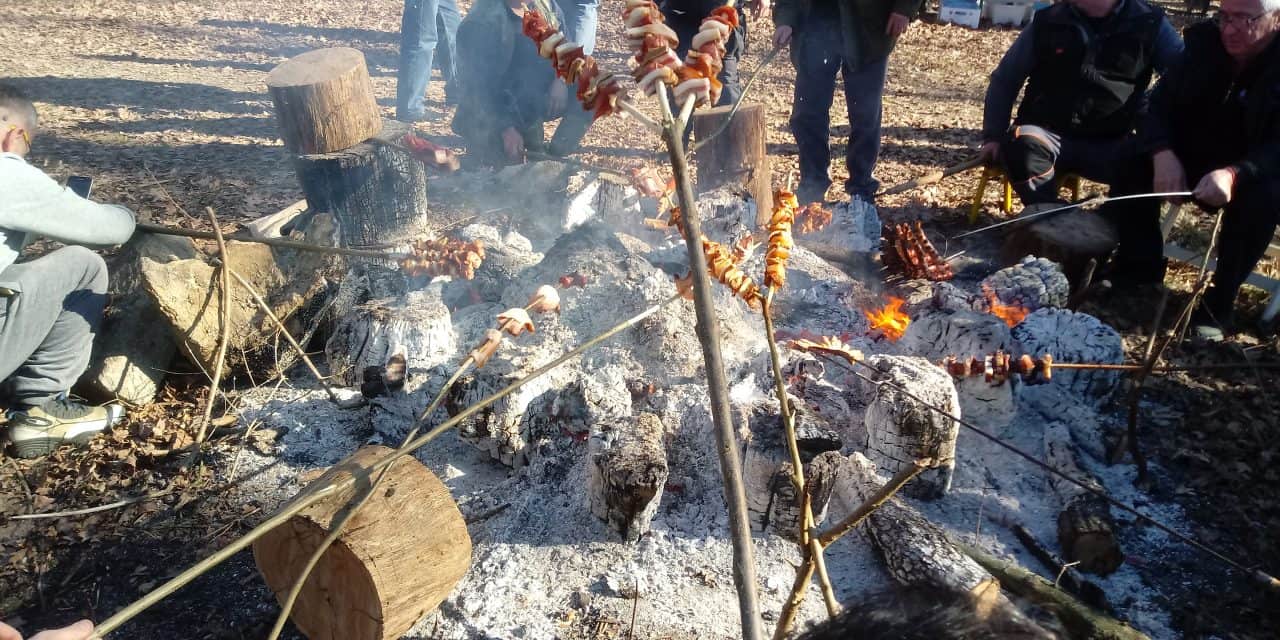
(737, 156)
(397, 559)
(1080, 621)
(915, 551)
(626, 473)
(1071, 239)
(414, 324)
(901, 430)
(1086, 529)
(324, 101)
(772, 502)
(377, 190)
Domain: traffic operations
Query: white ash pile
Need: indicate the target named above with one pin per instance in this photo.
(599, 482)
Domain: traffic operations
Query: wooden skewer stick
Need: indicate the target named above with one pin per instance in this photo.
(274, 242)
(931, 178)
(642, 118)
(686, 110)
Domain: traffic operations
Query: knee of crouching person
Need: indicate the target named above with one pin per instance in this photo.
(92, 267)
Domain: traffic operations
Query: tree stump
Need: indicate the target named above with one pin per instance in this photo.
(736, 156)
(626, 473)
(413, 324)
(1070, 239)
(376, 190)
(1086, 529)
(396, 560)
(324, 101)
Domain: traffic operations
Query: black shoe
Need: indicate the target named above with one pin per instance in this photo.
(808, 193)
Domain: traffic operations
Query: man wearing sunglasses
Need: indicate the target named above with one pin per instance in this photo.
(50, 307)
(1214, 123)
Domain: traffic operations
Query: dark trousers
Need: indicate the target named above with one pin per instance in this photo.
(686, 26)
(818, 56)
(424, 24)
(1035, 158)
(1248, 224)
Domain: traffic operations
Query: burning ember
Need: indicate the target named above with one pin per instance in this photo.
(813, 217)
(890, 320)
(1011, 314)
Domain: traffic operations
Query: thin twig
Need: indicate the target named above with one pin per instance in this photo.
(1130, 439)
(22, 482)
(744, 570)
(737, 104)
(224, 332)
(1202, 283)
(804, 574)
(271, 242)
(302, 353)
(686, 110)
(640, 117)
(166, 193)
(869, 507)
(106, 507)
(315, 494)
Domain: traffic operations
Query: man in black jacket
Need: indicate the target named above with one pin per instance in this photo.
(1214, 121)
(1086, 65)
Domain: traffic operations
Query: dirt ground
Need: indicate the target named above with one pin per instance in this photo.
(164, 103)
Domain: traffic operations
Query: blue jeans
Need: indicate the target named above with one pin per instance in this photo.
(425, 23)
(818, 57)
(580, 23)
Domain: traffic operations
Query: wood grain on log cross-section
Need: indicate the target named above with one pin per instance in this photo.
(626, 473)
(397, 559)
(1086, 529)
(737, 156)
(324, 101)
(901, 430)
(376, 189)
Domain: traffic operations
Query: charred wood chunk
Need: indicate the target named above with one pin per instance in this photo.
(901, 429)
(497, 429)
(626, 473)
(1073, 337)
(1033, 283)
(1086, 529)
(915, 551)
(786, 513)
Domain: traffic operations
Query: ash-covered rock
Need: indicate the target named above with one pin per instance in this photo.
(1033, 283)
(1071, 336)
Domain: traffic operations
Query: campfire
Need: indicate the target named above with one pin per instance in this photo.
(1011, 314)
(890, 320)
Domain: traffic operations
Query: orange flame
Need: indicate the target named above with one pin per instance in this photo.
(1011, 314)
(890, 320)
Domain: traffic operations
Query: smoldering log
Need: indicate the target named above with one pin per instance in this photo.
(915, 551)
(901, 430)
(737, 156)
(1086, 530)
(626, 473)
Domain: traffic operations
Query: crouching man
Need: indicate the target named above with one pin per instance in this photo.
(1085, 65)
(50, 307)
(507, 91)
(1214, 122)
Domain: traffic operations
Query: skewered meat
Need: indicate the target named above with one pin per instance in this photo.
(780, 243)
(909, 251)
(598, 92)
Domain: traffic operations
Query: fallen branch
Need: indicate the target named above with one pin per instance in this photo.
(1081, 621)
(224, 334)
(931, 178)
(319, 493)
(273, 242)
(98, 509)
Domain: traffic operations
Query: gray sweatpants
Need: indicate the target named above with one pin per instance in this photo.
(47, 328)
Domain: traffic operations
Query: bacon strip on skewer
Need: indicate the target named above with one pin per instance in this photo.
(597, 91)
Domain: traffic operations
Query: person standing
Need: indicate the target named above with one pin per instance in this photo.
(424, 24)
(1214, 122)
(50, 307)
(853, 39)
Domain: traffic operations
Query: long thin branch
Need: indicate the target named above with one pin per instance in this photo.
(319, 493)
(302, 353)
(98, 509)
(744, 571)
(271, 242)
(868, 507)
(1202, 283)
(797, 467)
(224, 336)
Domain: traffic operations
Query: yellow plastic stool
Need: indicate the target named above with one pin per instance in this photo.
(1070, 181)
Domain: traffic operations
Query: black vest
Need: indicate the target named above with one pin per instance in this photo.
(1090, 79)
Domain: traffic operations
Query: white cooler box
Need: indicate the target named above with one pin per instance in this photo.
(962, 12)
